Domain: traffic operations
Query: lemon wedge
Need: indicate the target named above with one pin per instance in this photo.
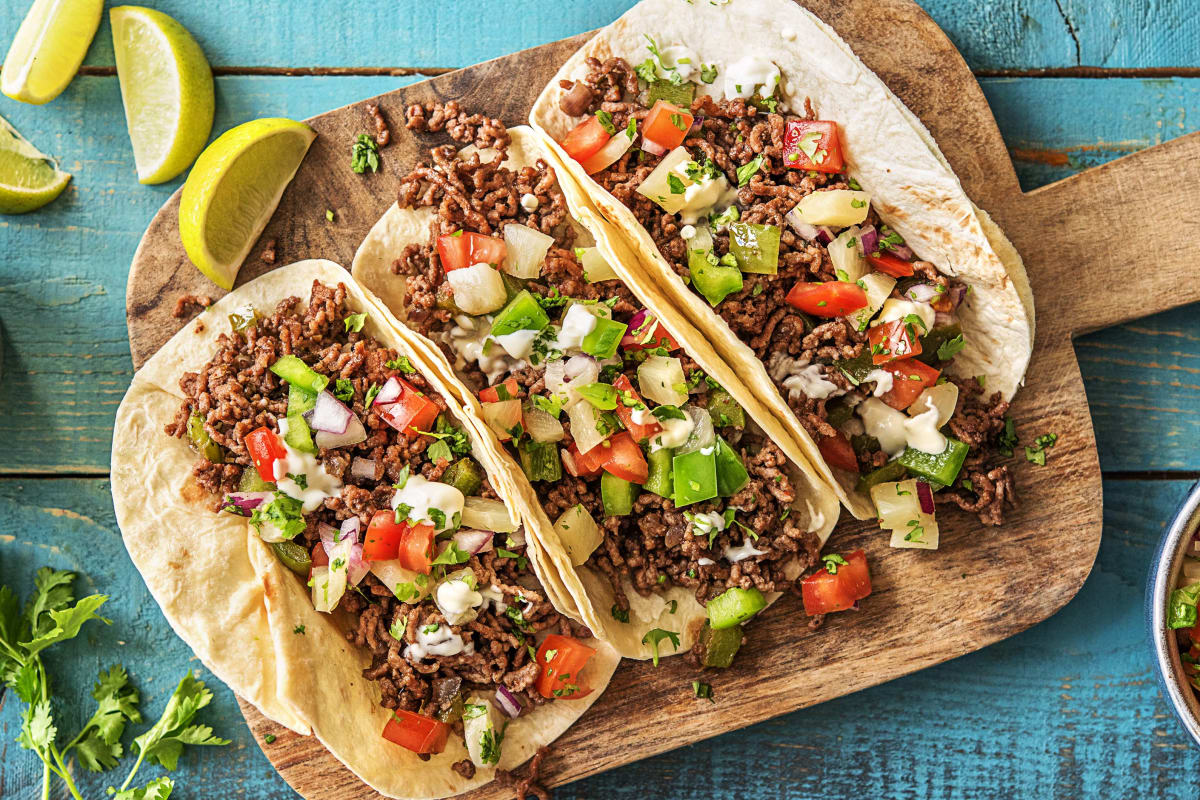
(28, 178)
(48, 48)
(167, 89)
(233, 190)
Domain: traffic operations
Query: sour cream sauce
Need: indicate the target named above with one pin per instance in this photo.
(577, 323)
(319, 483)
(471, 340)
(421, 495)
(439, 642)
(703, 196)
(674, 432)
(749, 75)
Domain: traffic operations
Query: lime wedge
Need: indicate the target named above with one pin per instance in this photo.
(167, 89)
(233, 190)
(28, 178)
(48, 48)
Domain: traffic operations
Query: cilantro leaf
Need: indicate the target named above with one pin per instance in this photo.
(606, 122)
(117, 702)
(402, 363)
(354, 322)
(65, 623)
(708, 73)
(163, 743)
(746, 172)
(656, 635)
(453, 554)
(157, 789)
(950, 348)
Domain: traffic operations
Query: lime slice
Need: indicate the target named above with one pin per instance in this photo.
(233, 190)
(28, 179)
(167, 89)
(48, 48)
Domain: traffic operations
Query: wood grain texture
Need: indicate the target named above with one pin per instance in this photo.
(993, 34)
(1068, 709)
(927, 627)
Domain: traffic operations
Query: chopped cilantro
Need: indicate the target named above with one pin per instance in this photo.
(354, 322)
(606, 122)
(298, 630)
(746, 172)
(950, 348)
(619, 614)
(402, 363)
(832, 562)
(702, 691)
(656, 635)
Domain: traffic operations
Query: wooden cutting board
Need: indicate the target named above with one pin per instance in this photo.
(1103, 247)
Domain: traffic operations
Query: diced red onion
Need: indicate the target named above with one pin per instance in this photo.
(354, 433)
(337, 542)
(652, 148)
(806, 231)
(329, 414)
(362, 468)
(925, 496)
(244, 503)
(508, 702)
(390, 392)
(868, 237)
(350, 528)
(641, 329)
(903, 251)
(957, 295)
(922, 292)
(473, 542)
(825, 234)
(942, 319)
(329, 537)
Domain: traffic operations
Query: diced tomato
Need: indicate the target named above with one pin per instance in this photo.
(463, 249)
(824, 593)
(561, 658)
(318, 558)
(416, 732)
(585, 139)
(264, 448)
(625, 459)
(832, 299)
(1194, 634)
(584, 465)
(412, 411)
(889, 264)
(660, 338)
(492, 393)
(893, 341)
(819, 137)
(909, 378)
(384, 536)
(416, 548)
(837, 452)
(666, 125)
(626, 392)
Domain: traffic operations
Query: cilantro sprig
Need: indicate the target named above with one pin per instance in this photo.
(50, 616)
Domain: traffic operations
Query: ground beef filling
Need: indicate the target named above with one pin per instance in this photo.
(731, 133)
(236, 393)
(654, 544)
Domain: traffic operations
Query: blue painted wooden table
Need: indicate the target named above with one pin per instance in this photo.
(1067, 709)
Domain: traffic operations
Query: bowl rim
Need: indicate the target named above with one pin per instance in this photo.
(1167, 563)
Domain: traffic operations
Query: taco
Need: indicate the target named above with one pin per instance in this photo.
(671, 510)
(794, 210)
(321, 521)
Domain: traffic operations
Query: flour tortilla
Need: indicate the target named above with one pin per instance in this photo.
(815, 504)
(887, 150)
(225, 593)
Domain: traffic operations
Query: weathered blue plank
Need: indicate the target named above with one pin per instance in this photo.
(993, 35)
(1068, 709)
(62, 286)
(63, 281)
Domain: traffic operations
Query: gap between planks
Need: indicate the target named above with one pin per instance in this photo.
(1098, 73)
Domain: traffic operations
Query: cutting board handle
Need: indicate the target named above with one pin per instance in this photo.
(1118, 242)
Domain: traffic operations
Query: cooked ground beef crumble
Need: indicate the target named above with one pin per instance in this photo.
(235, 392)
